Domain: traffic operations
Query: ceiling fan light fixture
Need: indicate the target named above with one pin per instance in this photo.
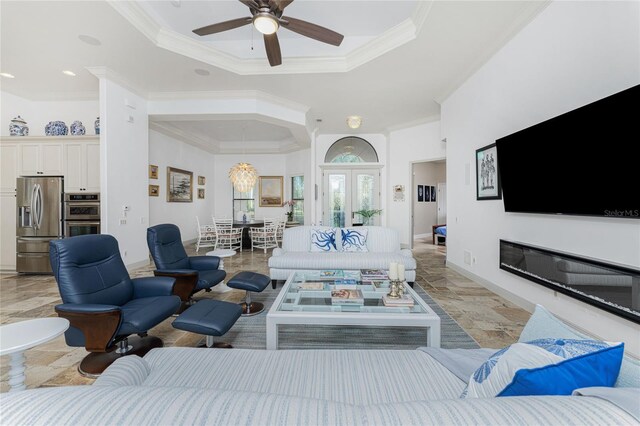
(265, 23)
(354, 121)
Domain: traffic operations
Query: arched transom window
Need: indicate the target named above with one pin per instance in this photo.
(351, 149)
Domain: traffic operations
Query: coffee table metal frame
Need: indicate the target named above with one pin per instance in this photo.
(392, 318)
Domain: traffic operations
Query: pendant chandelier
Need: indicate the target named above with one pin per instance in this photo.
(243, 177)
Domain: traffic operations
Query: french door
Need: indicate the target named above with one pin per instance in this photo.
(347, 191)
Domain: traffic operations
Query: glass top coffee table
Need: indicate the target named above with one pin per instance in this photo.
(306, 299)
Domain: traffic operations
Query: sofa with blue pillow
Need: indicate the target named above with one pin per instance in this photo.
(428, 386)
(319, 248)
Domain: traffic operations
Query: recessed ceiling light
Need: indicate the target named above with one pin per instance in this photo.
(69, 73)
(354, 121)
(7, 75)
(200, 71)
(89, 40)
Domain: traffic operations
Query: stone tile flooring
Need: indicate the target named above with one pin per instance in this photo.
(491, 320)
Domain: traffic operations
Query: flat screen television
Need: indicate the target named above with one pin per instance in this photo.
(583, 162)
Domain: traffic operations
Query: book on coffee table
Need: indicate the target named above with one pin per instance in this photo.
(311, 286)
(404, 300)
(347, 297)
(374, 274)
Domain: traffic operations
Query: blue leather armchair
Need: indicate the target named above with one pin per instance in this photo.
(193, 273)
(103, 304)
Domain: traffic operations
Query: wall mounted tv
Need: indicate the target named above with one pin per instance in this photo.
(583, 162)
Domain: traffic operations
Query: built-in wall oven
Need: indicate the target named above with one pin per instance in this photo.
(81, 214)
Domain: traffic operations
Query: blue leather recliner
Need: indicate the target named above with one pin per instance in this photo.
(193, 273)
(103, 304)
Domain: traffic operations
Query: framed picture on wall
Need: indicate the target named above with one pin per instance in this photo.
(154, 190)
(487, 178)
(201, 193)
(202, 180)
(420, 193)
(153, 171)
(433, 193)
(271, 191)
(179, 185)
(427, 193)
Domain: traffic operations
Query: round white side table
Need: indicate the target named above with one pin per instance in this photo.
(16, 338)
(221, 253)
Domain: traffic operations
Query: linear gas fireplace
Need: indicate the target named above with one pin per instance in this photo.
(614, 288)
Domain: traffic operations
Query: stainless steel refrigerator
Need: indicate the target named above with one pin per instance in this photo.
(40, 220)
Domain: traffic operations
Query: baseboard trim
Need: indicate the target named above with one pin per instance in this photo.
(511, 297)
(422, 235)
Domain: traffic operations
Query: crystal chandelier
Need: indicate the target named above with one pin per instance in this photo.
(243, 177)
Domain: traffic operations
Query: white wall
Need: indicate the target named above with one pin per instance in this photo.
(425, 214)
(124, 160)
(165, 151)
(407, 146)
(572, 54)
(38, 114)
(265, 164)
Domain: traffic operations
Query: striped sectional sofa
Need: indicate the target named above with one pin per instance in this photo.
(383, 245)
(187, 386)
(182, 386)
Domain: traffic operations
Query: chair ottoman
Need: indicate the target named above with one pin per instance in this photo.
(249, 281)
(211, 318)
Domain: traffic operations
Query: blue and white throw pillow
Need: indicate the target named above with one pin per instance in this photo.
(323, 240)
(546, 367)
(354, 240)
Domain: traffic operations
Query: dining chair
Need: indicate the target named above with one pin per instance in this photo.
(206, 235)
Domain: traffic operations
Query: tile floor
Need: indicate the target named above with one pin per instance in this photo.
(487, 317)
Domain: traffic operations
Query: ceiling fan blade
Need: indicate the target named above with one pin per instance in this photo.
(251, 4)
(279, 5)
(272, 45)
(313, 31)
(222, 26)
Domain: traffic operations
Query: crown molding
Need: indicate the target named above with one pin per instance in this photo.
(187, 137)
(111, 75)
(190, 47)
(413, 123)
(229, 94)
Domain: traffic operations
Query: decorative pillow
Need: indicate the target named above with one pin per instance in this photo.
(546, 367)
(543, 324)
(354, 240)
(323, 240)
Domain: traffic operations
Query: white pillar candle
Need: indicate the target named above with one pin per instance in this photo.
(393, 271)
(400, 271)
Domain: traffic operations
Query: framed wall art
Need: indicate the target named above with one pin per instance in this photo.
(420, 193)
(179, 185)
(487, 178)
(433, 193)
(201, 193)
(153, 171)
(202, 180)
(427, 193)
(271, 191)
(154, 190)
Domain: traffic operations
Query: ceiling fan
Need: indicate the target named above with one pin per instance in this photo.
(266, 17)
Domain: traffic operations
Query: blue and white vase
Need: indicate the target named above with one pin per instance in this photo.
(77, 129)
(18, 127)
(56, 128)
(97, 125)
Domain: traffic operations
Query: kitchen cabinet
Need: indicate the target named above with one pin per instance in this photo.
(82, 167)
(44, 158)
(8, 231)
(8, 167)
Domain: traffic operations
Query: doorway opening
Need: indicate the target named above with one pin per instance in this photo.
(429, 202)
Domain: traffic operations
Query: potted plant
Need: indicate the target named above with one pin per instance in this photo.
(368, 214)
(289, 204)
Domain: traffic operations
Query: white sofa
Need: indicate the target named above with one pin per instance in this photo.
(383, 245)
